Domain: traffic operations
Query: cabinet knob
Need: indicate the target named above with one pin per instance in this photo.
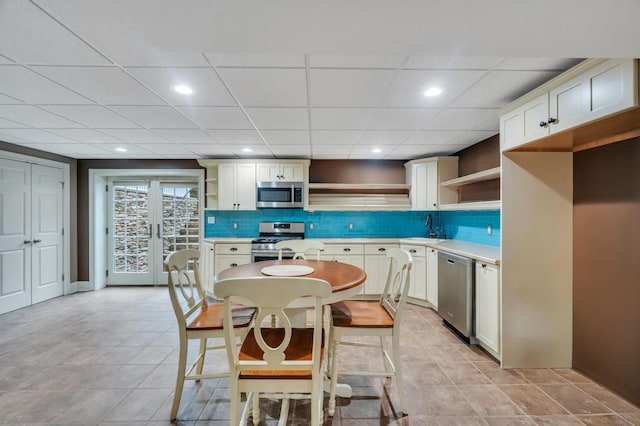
(543, 124)
(233, 249)
(346, 249)
(484, 265)
(382, 249)
(552, 120)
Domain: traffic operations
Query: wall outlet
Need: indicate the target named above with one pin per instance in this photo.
(235, 225)
(311, 226)
(489, 229)
(350, 226)
(211, 220)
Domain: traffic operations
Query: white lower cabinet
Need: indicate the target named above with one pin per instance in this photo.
(352, 254)
(488, 307)
(418, 275)
(375, 265)
(230, 255)
(432, 277)
(207, 266)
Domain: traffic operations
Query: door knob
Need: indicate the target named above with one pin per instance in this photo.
(552, 120)
(543, 124)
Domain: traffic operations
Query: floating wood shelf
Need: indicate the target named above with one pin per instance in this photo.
(473, 205)
(360, 186)
(488, 174)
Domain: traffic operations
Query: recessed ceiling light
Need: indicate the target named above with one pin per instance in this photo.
(433, 91)
(181, 88)
(247, 150)
(121, 149)
(376, 150)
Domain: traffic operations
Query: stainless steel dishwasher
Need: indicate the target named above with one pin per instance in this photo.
(456, 292)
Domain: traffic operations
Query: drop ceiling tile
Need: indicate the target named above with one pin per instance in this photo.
(217, 117)
(401, 118)
(35, 117)
(452, 62)
(279, 118)
(30, 36)
(384, 137)
(233, 136)
(159, 117)
(257, 151)
(499, 88)
(348, 88)
(207, 87)
(461, 118)
(81, 150)
(255, 60)
(366, 151)
(26, 85)
(537, 64)
(340, 118)
(166, 149)
(291, 151)
(5, 60)
(85, 136)
(45, 147)
(135, 136)
(491, 124)
(104, 85)
(355, 61)
(406, 152)
(8, 124)
(472, 137)
(331, 151)
(91, 116)
(257, 87)
(286, 137)
(408, 88)
(335, 137)
(185, 136)
(8, 100)
(36, 136)
(432, 137)
(132, 150)
(209, 150)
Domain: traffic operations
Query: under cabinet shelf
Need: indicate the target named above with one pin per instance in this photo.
(362, 186)
(488, 174)
(473, 205)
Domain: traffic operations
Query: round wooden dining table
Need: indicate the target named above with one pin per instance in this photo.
(345, 279)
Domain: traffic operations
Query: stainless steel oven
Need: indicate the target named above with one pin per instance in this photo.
(264, 248)
(279, 195)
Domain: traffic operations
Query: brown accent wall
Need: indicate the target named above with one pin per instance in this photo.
(481, 156)
(83, 196)
(73, 186)
(357, 171)
(606, 266)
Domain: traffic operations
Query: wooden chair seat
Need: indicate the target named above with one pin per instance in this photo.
(300, 349)
(352, 313)
(210, 317)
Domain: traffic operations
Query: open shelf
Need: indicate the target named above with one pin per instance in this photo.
(473, 205)
(360, 186)
(488, 174)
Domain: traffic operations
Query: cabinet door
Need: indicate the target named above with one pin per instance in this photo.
(356, 260)
(432, 277)
(432, 186)
(418, 288)
(226, 186)
(246, 186)
(207, 266)
(523, 124)
(488, 305)
(419, 187)
(569, 104)
(292, 172)
(267, 171)
(376, 268)
(229, 261)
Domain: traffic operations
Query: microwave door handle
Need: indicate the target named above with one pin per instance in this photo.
(293, 196)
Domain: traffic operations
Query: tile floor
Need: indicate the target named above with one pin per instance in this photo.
(109, 358)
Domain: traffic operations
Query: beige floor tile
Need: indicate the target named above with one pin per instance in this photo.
(489, 400)
(608, 398)
(574, 400)
(532, 400)
(498, 375)
(541, 376)
(556, 420)
(604, 420)
(509, 421)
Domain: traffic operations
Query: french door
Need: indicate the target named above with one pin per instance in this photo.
(31, 234)
(149, 219)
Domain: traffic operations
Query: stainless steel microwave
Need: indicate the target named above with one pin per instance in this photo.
(279, 195)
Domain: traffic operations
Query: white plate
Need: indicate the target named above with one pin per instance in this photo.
(287, 270)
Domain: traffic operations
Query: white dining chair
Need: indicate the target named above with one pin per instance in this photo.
(375, 319)
(300, 248)
(283, 362)
(197, 320)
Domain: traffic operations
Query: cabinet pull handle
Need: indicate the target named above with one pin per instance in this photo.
(450, 261)
(233, 249)
(158, 231)
(37, 241)
(150, 231)
(552, 120)
(27, 242)
(413, 251)
(233, 264)
(543, 124)
(346, 249)
(382, 249)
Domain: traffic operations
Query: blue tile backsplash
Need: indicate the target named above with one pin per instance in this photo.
(468, 226)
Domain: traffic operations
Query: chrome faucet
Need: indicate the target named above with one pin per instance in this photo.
(429, 224)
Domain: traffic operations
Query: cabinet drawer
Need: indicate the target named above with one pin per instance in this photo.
(233, 248)
(381, 249)
(416, 251)
(333, 249)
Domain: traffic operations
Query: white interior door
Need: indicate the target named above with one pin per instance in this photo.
(149, 220)
(46, 233)
(15, 235)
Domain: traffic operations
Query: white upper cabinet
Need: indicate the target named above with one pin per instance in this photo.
(425, 177)
(237, 186)
(590, 90)
(292, 172)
